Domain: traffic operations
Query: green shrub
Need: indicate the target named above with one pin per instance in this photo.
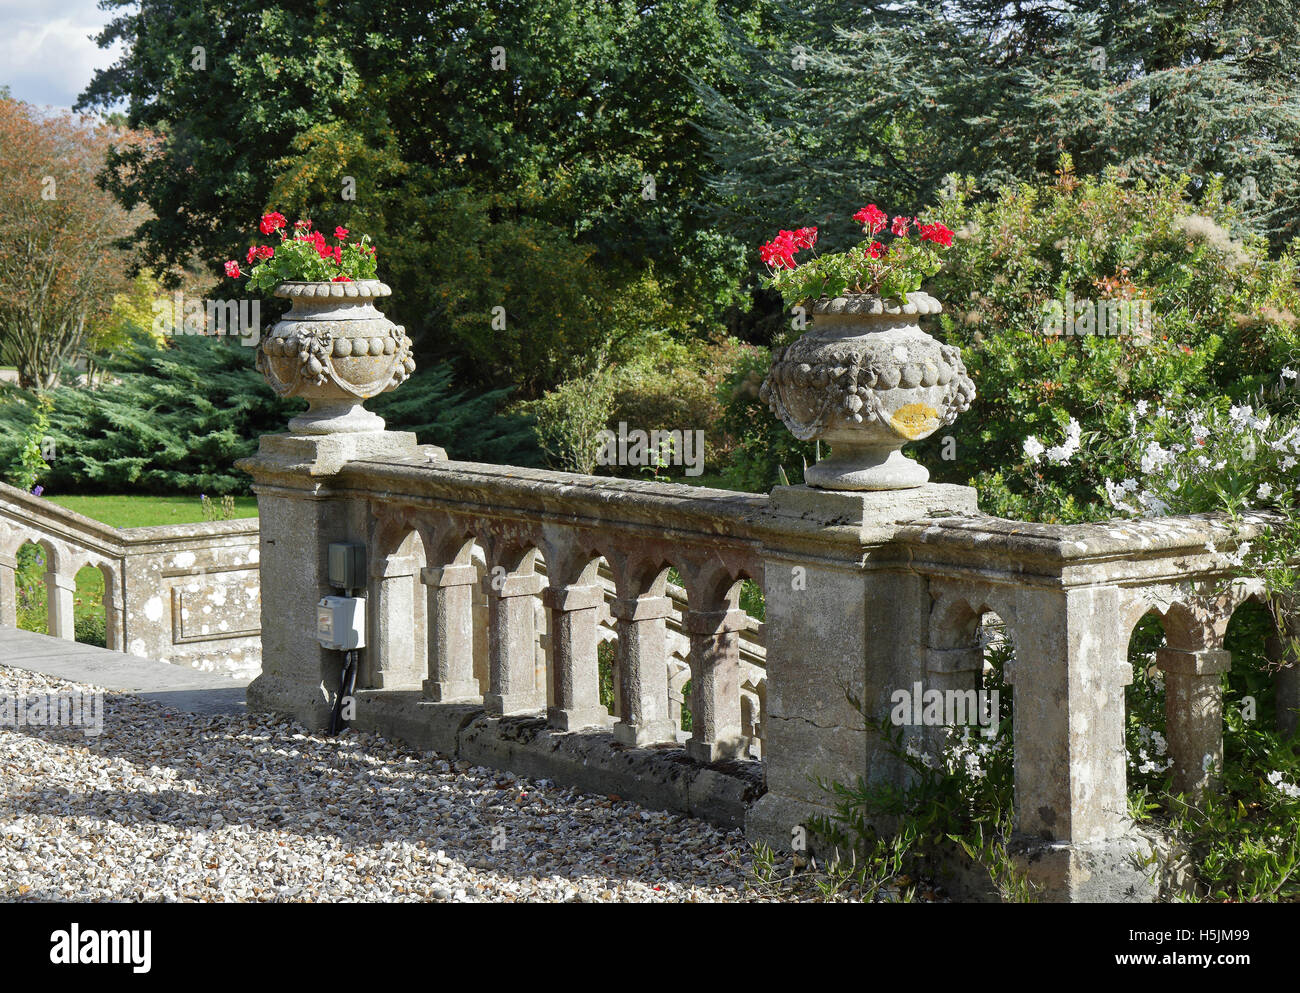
(1223, 323)
(175, 419)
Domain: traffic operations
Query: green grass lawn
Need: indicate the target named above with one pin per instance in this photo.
(145, 511)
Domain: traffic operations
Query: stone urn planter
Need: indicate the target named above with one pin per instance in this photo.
(336, 349)
(867, 379)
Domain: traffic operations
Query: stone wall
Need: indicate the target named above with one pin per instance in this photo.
(188, 594)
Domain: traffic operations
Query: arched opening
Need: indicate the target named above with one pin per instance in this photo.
(89, 621)
(1148, 763)
(1250, 687)
(30, 588)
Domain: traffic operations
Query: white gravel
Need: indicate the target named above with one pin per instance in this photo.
(174, 806)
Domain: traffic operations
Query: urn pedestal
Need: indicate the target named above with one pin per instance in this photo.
(867, 379)
(335, 349)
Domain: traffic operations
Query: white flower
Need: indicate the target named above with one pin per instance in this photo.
(1141, 408)
(1280, 784)
(1062, 453)
(1115, 492)
(1264, 492)
(1202, 462)
(1289, 374)
(1288, 463)
(1033, 448)
(1154, 457)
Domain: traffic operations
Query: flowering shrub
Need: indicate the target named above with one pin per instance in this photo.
(1223, 323)
(890, 268)
(304, 255)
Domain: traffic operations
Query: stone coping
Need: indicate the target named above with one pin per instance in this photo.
(60, 522)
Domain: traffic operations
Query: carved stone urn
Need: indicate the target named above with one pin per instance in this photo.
(336, 349)
(867, 379)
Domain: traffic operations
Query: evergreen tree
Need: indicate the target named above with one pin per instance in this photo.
(175, 419)
(881, 101)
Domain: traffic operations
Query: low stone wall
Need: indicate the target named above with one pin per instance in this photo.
(188, 594)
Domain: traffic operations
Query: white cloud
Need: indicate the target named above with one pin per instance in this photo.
(47, 55)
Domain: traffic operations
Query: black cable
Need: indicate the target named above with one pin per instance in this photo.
(347, 686)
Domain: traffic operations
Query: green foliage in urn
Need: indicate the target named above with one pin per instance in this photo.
(305, 256)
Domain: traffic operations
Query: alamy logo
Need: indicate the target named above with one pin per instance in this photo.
(946, 708)
(654, 448)
(99, 947)
(67, 708)
(189, 315)
(1103, 318)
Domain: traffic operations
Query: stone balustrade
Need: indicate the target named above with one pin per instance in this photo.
(492, 588)
(181, 593)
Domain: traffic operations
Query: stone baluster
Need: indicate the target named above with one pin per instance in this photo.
(1194, 714)
(8, 591)
(61, 594)
(395, 657)
(716, 731)
(512, 644)
(642, 675)
(575, 669)
(114, 614)
(1068, 674)
(953, 668)
(451, 634)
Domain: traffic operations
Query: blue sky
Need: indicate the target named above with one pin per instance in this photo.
(46, 55)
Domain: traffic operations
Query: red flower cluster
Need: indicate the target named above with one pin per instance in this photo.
(779, 253)
(937, 233)
(876, 250)
(900, 226)
(273, 221)
(872, 218)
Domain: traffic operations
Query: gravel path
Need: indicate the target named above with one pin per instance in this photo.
(176, 806)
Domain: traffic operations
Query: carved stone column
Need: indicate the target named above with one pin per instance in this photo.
(715, 684)
(451, 634)
(60, 595)
(512, 645)
(1194, 715)
(575, 669)
(395, 657)
(8, 591)
(642, 679)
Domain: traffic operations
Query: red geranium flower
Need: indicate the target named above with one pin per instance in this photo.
(780, 251)
(302, 225)
(273, 221)
(876, 250)
(340, 233)
(872, 218)
(252, 254)
(901, 225)
(265, 251)
(232, 269)
(805, 238)
(937, 233)
(340, 279)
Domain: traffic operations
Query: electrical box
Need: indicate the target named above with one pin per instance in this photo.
(341, 622)
(347, 565)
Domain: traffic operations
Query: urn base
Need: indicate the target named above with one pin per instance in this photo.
(327, 415)
(864, 467)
